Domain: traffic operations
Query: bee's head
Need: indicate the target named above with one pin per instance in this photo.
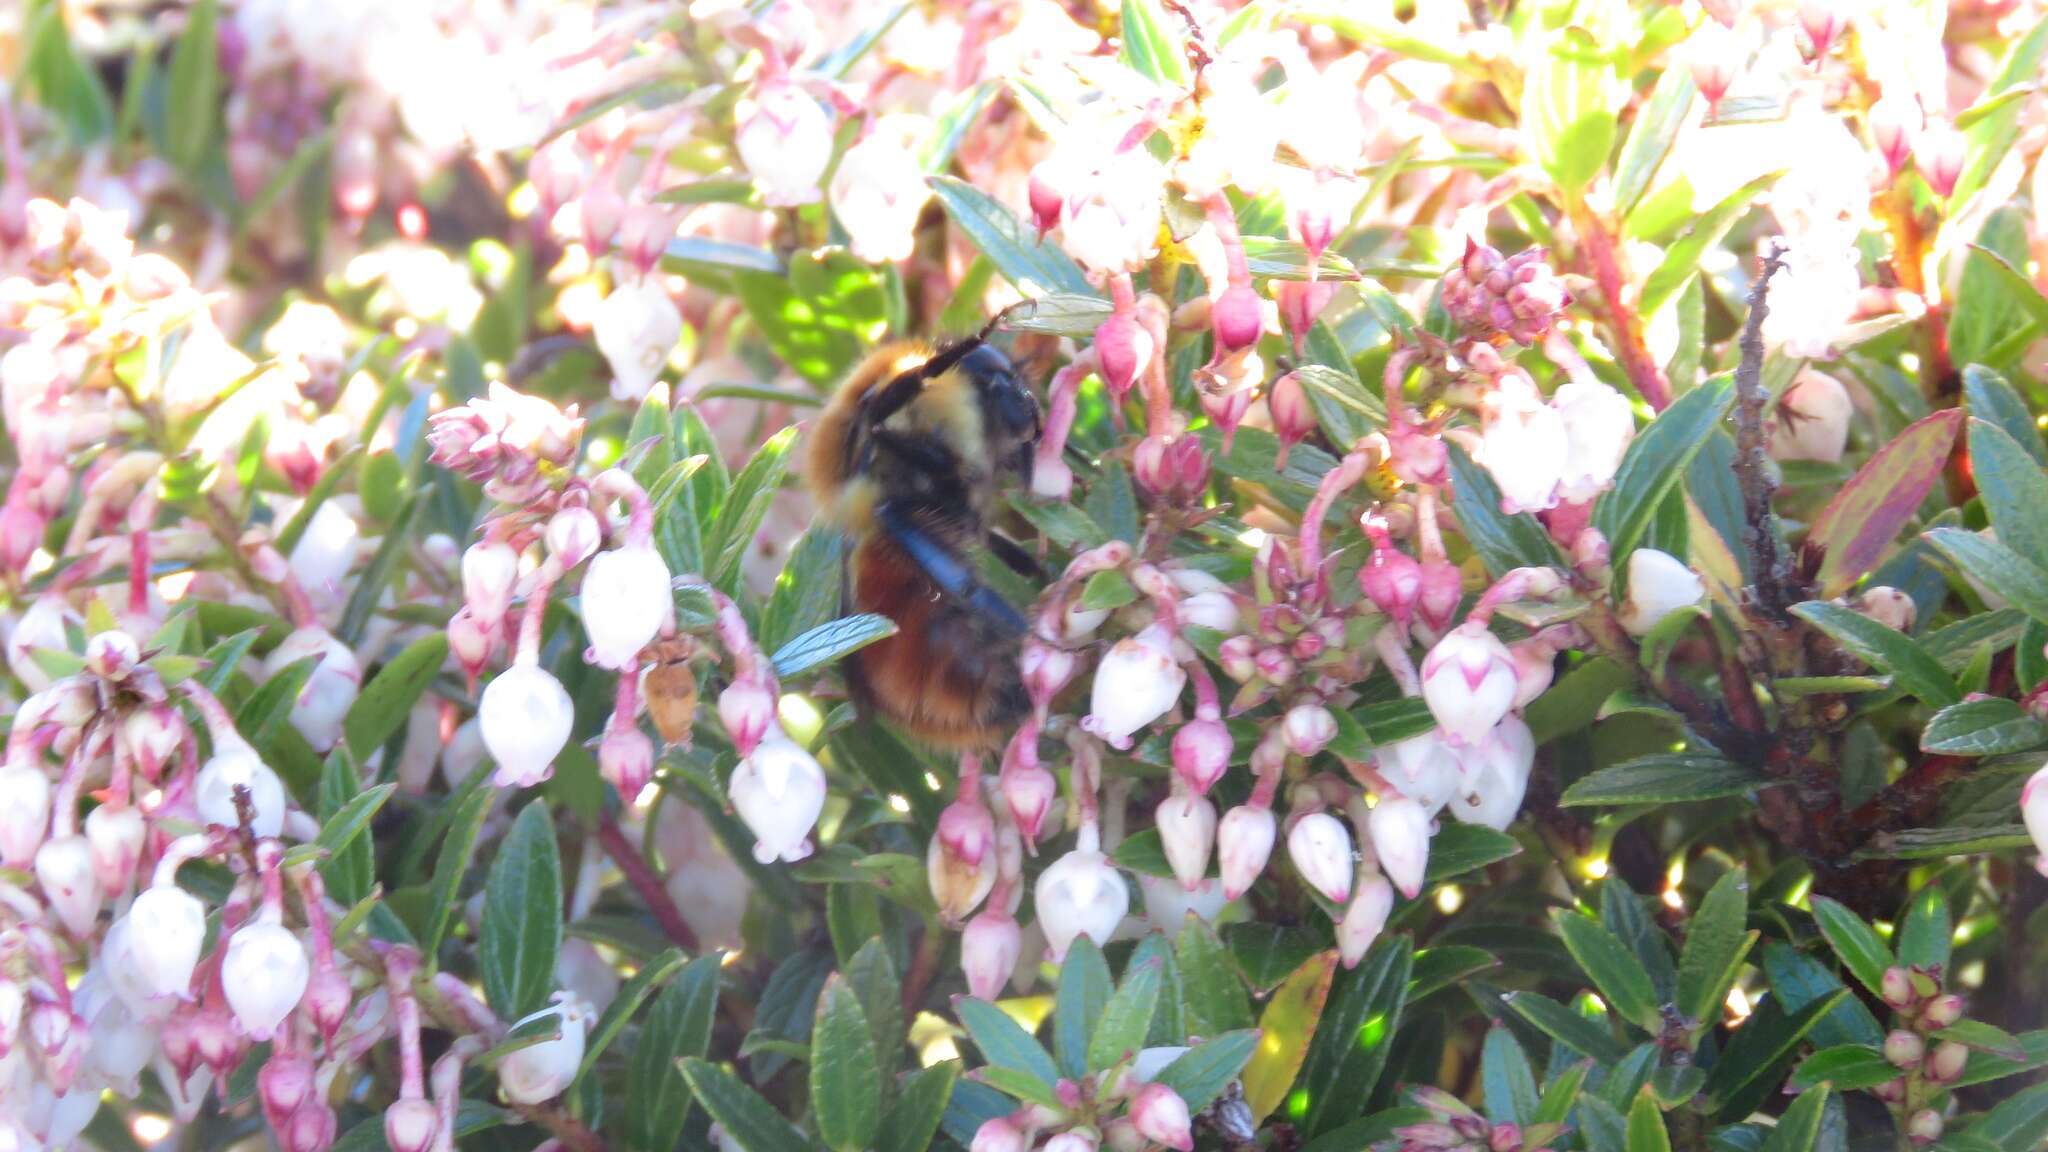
(1009, 412)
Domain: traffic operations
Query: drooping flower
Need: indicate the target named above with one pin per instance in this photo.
(1364, 919)
(1496, 775)
(636, 328)
(1080, 894)
(1244, 842)
(525, 716)
(1400, 839)
(235, 766)
(1812, 419)
(1523, 445)
(778, 790)
(785, 140)
(1161, 1116)
(329, 691)
(879, 188)
(1658, 585)
(1187, 830)
(264, 975)
(1598, 427)
(1137, 681)
(1320, 847)
(1468, 680)
(539, 1072)
(626, 599)
(989, 948)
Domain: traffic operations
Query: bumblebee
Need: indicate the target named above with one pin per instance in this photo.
(908, 459)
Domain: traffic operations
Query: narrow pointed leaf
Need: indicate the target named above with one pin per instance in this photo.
(1858, 526)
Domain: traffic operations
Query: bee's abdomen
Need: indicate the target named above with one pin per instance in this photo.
(949, 675)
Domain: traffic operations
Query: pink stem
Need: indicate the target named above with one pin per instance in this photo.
(536, 610)
(399, 967)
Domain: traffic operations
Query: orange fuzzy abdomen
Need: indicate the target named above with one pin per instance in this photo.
(948, 676)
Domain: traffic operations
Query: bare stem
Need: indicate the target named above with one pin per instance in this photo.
(1751, 470)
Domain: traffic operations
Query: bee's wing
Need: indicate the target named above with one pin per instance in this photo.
(948, 572)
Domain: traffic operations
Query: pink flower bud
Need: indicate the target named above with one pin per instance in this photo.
(1946, 1065)
(625, 599)
(64, 869)
(1152, 467)
(572, 535)
(1201, 753)
(1308, 728)
(1136, 682)
(282, 1084)
(1293, 419)
(327, 1000)
(1364, 919)
(470, 641)
(1942, 1011)
(1080, 894)
(1468, 680)
(1046, 671)
(959, 863)
(1400, 839)
(1226, 411)
(747, 709)
(1302, 301)
(1047, 203)
(540, 1072)
(1658, 585)
(1894, 123)
(1321, 851)
(988, 952)
(1161, 1116)
(778, 790)
(625, 757)
(488, 572)
(1187, 830)
(1124, 349)
(1238, 318)
(116, 838)
(1275, 666)
(1441, 589)
(1073, 1140)
(1904, 1048)
(1939, 152)
(1239, 657)
(1244, 842)
(1888, 606)
(1715, 56)
(1029, 790)
(1897, 983)
(525, 716)
(25, 818)
(1813, 419)
(410, 1125)
(1392, 580)
(1822, 21)
(1925, 1126)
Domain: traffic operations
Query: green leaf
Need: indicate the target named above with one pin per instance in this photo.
(1682, 258)
(806, 592)
(1996, 567)
(1003, 1042)
(747, 1119)
(829, 643)
(1849, 1067)
(1021, 1085)
(1213, 995)
(1715, 946)
(1035, 267)
(625, 1005)
(194, 92)
(1565, 118)
(872, 976)
(1287, 1026)
(1991, 138)
(1992, 304)
(1126, 1019)
(746, 505)
(1444, 966)
(1798, 1130)
(1509, 1084)
(1344, 408)
(1566, 1026)
(2019, 1123)
(345, 810)
(1985, 727)
(819, 316)
(1504, 541)
(1614, 970)
(1459, 848)
(1646, 1131)
(1621, 912)
(383, 568)
(1986, 1066)
(1665, 778)
(1084, 990)
(1201, 1073)
(452, 864)
(1981, 1037)
(846, 1089)
(387, 699)
(339, 831)
(1562, 1094)
(786, 1010)
(914, 1119)
(2013, 488)
(522, 921)
(1862, 951)
(1753, 1062)
(1798, 980)
(1988, 397)
(1150, 46)
(1858, 525)
(1356, 1036)
(51, 68)
(1656, 127)
(1654, 463)
(1889, 651)
(1934, 843)
(1369, 1132)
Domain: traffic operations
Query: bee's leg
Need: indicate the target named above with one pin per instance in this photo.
(946, 570)
(1014, 557)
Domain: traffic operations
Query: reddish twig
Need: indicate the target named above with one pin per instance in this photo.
(646, 883)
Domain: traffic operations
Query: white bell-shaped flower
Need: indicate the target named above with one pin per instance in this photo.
(1523, 445)
(539, 1072)
(1468, 680)
(489, 572)
(785, 140)
(72, 888)
(1400, 841)
(625, 599)
(1658, 585)
(1813, 419)
(1496, 774)
(1424, 768)
(116, 838)
(1244, 842)
(1167, 904)
(636, 328)
(879, 188)
(166, 929)
(264, 974)
(1598, 425)
(778, 791)
(25, 817)
(1080, 894)
(235, 765)
(1187, 830)
(1137, 681)
(525, 716)
(1320, 847)
(328, 693)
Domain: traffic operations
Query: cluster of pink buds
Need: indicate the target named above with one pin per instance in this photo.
(1518, 298)
(507, 441)
(1121, 1110)
(1928, 1064)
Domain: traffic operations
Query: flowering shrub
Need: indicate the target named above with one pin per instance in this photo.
(1537, 638)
